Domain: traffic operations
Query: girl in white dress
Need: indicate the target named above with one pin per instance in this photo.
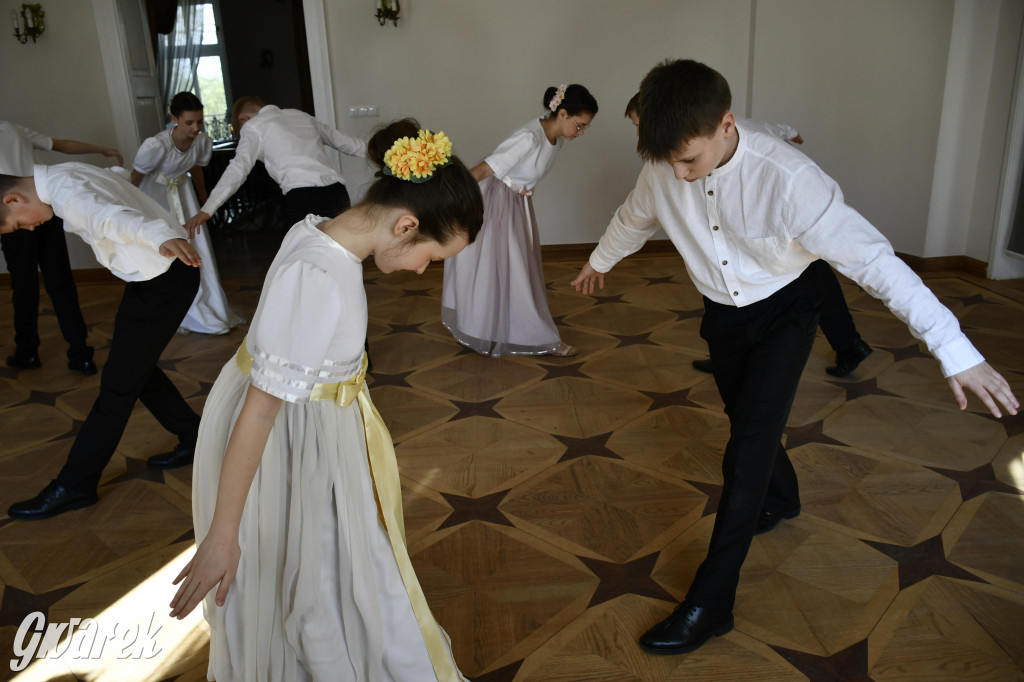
(296, 498)
(494, 299)
(161, 170)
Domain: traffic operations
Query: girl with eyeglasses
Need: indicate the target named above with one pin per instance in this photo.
(494, 299)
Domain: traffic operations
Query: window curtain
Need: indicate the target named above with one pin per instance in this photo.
(178, 51)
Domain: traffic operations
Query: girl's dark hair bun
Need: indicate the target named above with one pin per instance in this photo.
(576, 100)
(384, 136)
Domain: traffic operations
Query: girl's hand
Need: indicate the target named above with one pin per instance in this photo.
(585, 280)
(987, 384)
(216, 561)
(192, 226)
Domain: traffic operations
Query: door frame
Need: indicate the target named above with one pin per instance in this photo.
(112, 49)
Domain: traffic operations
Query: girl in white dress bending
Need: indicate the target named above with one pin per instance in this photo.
(296, 498)
(161, 170)
(494, 299)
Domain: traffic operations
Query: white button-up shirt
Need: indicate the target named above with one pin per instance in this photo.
(124, 227)
(291, 144)
(16, 145)
(752, 226)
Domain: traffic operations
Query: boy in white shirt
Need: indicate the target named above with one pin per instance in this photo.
(44, 250)
(291, 144)
(139, 242)
(751, 216)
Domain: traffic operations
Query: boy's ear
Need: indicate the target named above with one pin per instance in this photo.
(11, 198)
(728, 123)
(406, 225)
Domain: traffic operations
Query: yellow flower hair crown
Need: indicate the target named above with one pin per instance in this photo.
(416, 158)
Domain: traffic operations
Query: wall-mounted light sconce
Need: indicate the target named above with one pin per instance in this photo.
(387, 10)
(28, 23)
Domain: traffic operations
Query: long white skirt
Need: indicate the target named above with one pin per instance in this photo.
(318, 594)
(210, 312)
(494, 300)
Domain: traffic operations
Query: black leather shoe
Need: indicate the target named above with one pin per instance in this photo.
(86, 367)
(848, 359)
(54, 499)
(180, 456)
(686, 630)
(703, 366)
(770, 519)
(24, 361)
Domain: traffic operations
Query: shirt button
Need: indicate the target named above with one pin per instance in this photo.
(711, 192)
(715, 228)
(725, 262)
(735, 293)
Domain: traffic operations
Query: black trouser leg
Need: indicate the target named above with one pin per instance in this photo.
(52, 253)
(836, 321)
(326, 201)
(758, 353)
(146, 321)
(19, 249)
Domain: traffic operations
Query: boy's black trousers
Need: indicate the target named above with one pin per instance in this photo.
(45, 250)
(146, 321)
(758, 353)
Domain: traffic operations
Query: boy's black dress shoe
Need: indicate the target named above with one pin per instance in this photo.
(703, 366)
(24, 361)
(54, 499)
(180, 456)
(848, 359)
(770, 519)
(86, 367)
(686, 629)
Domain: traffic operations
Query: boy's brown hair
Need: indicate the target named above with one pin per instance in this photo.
(680, 101)
(241, 104)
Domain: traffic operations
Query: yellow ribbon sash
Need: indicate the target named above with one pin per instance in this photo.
(173, 198)
(384, 471)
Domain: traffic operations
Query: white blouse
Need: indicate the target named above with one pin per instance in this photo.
(311, 320)
(525, 157)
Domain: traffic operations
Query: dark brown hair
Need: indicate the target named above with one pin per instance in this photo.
(577, 100)
(680, 101)
(448, 204)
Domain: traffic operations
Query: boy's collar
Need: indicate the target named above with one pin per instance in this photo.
(40, 174)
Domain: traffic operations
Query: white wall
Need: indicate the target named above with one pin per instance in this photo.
(478, 70)
(864, 82)
(57, 86)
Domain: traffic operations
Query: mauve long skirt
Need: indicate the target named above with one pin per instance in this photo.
(494, 300)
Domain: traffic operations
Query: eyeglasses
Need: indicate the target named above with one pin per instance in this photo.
(580, 128)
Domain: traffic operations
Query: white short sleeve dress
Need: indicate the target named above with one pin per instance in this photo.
(324, 588)
(166, 180)
(494, 299)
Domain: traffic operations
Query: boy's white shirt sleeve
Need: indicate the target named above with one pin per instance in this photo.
(821, 222)
(632, 225)
(346, 144)
(246, 154)
(781, 130)
(98, 221)
(38, 140)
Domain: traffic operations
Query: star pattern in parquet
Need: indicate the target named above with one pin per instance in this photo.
(558, 507)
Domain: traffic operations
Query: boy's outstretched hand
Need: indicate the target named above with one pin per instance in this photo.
(182, 250)
(193, 224)
(987, 384)
(585, 280)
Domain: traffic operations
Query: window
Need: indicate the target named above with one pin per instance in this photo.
(192, 58)
(211, 77)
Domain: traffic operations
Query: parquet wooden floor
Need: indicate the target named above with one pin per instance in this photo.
(556, 508)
